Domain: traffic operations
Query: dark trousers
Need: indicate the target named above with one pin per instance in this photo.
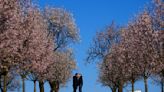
(75, 88)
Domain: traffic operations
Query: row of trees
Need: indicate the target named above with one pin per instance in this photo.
(132, 53)
(34, 45)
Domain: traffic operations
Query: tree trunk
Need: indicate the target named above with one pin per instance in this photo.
(5, 83)
(162, 84)
(41, 86)
(34, 86)
(54, 86)
(114, 89)
(146, 85)
(132, 85)
(57, 87)
(23, 84)
(1, 88)
(120, 88)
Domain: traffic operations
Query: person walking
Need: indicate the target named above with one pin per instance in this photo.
(77, 82)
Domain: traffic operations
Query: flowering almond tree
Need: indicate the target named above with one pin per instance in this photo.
(158, 25)
(10, 36)
(104, 49)
(25, 42)
(113, 71)
(130, 55)
(37, 49)
(102, 43)
(61, 36)
(64, 30)
(60, 71)
(107, 75)
(144, 40)
(62, 25)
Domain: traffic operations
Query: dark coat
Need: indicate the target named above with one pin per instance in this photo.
(77, 82)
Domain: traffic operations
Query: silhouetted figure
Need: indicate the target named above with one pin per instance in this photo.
(77, 82)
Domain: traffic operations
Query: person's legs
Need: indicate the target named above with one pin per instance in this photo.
(80, 88)
(74, 88)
